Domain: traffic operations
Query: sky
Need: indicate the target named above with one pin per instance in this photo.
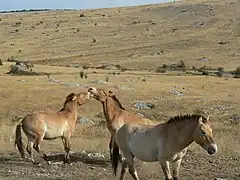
(7, 5)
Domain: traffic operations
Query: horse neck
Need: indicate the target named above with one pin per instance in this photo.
(180, 135)
(110, 109)
(71, 109)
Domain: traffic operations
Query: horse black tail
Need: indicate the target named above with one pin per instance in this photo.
(18, 140)
(115, 157)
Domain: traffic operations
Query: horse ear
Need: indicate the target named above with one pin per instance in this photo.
(200, 119)
(74, 97)
(110, 93)
(105, 93)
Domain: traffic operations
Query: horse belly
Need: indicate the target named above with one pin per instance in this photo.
(144, 148)
(52, 134)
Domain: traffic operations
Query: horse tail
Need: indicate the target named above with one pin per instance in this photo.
(18, 140)
(115, 157)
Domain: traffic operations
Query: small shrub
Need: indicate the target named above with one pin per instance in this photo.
(182, 64)
(194, 68)
(85, 67)
(94, 40)
(12, 59)
(82, 74)
(220, 69)
(237, 71)
(204, 72)
(219, 73)
(81, 15)
(160, 70)
(78, 30)
(164, 66)
(18, 23)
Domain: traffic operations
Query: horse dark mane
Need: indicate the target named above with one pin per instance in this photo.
(118, 102)
(68, 99)
(177, 119)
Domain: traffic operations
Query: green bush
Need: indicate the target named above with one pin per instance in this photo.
(237, 71)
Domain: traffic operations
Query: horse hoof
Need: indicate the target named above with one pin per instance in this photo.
(49, 162)
(46, 158)
(67, 161)
(36, 163)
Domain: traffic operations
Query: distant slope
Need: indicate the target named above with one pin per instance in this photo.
(142, 37)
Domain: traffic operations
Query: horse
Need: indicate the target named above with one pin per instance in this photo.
(39, 126)
(166, 142)
(116, 115)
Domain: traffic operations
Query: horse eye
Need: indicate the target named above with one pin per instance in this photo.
(203, 132)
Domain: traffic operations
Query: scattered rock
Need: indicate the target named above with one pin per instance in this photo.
(21, 69)
(123, 87)
(140, 114)
(72, 84)
(95, 155)
(235, 119)
(220, 179)
(175, 92)
(84, 120)
(110, 67)
(223, 108)
(100, 82)
(142, 105)
(136, 22)
(22, 80)
(223, 42)
(198, 24)
(203, 59)
(54, 80)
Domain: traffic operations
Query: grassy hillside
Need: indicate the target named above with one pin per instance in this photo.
(140, 37)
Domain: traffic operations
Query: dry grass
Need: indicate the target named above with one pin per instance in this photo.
(129, 37)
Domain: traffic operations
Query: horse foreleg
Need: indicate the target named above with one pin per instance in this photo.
(166, 169)
(66, 145)
(176, 166)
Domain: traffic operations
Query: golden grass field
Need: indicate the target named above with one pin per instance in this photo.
(139, 39)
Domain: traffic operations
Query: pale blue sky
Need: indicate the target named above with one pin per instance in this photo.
(6, 5)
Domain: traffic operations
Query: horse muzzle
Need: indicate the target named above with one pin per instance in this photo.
(212, 149)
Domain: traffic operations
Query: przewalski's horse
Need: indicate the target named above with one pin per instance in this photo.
(41, 125)
(115, 113)
(166, 142)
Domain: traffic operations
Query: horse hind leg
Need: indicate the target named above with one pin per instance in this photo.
(36, 146)
(29, 150)
(123, 170)
(129, 159)
(110, 148)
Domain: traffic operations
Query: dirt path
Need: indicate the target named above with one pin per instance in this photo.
(197, 167)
